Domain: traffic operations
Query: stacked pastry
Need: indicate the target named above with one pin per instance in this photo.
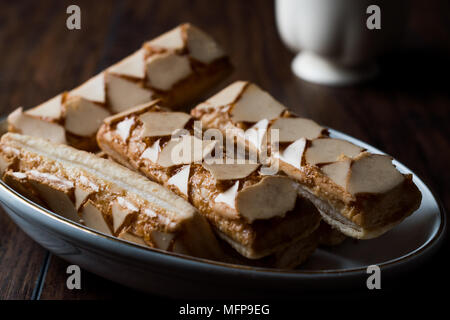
(104, 196)
(289, 186)
(176, 67)
(258, 215)
(359, 193)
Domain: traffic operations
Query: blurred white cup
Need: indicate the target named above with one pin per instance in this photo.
(331, 37)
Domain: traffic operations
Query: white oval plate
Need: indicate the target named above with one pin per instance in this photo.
(155, 271)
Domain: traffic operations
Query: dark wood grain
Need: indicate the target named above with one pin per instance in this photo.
(40, 57)
(405, 112)
(21, 261)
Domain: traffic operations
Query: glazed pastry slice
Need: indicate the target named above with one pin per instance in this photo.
(176, 67)
(98, 193)
(105, 196)
(257, 214)
(360, 194)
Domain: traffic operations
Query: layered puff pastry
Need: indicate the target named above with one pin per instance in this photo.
(177, 67)
(104, 196)
(116, 201)
(258, 215)
(359, 193)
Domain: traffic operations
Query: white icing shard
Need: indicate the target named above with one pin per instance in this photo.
(164, 70)
(81, 194)
(292, 129)
(93, 218)
(228, 197)
(119, 215)
(328, 150)
(83, 117)
(338, 171)
(58, 200)
(152, 153)
(293, 154)
(126, 204)
(256, 134)
(123, 94)
(185, 150)
(373, 173)
(254, 105)
(172, 40)
(132, 66)
(49, 109)
(19, 175)
(31, 126)
(93, 89)
(181, 179)
(271, 197)
(127, 236)
(159, 124)
(123, 128)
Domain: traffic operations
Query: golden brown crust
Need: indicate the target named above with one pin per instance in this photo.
(257, 239)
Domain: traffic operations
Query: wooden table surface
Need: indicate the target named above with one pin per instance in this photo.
(405, 112)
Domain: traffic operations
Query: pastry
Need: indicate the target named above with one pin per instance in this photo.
(111, 199)
(176, 67)
(105, 196)
(257, 214)
(361, 194)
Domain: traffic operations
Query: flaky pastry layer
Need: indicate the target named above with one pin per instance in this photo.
(105, 196)
(363, 215)
(253, 239)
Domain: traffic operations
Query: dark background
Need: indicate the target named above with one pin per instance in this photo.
(405, 112)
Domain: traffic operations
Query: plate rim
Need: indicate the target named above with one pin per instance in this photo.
(432, 243)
